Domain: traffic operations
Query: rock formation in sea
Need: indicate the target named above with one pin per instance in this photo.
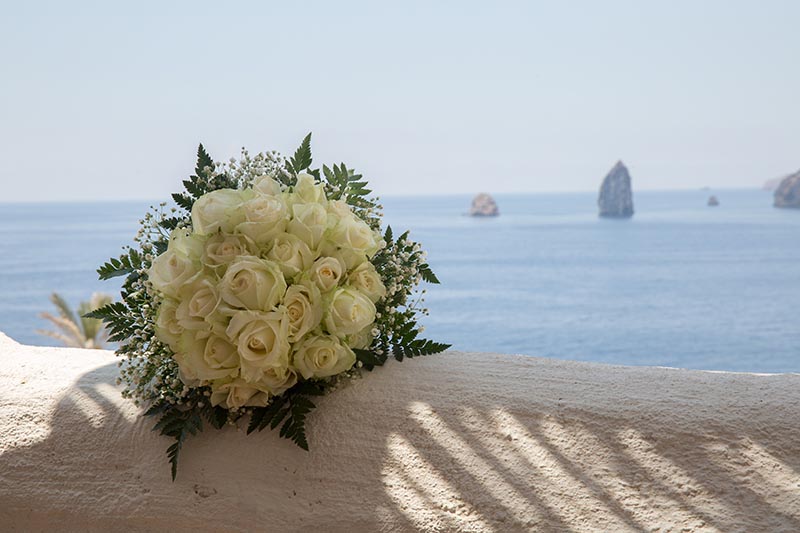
(616, 198)
(713, 201)
(483, 205)
(788, 192)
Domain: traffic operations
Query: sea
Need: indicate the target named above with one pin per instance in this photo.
(680, 284)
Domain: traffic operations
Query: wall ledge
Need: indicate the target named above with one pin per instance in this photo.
(454, 442)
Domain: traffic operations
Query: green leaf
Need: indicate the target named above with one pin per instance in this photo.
(417, 347)
(118, 319)
(203, 160)
(216, 415)
(183, 200)
(370, 359)
(179, 425)
(256, 417)
(301, 159)
(427, 274)
(126, 264)
(272, 411)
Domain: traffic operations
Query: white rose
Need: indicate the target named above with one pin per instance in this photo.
(266, 185)
(265, 217)
(349, 312)
(361, 340)
(307, 190)
(252, 283)
(221, 249)
(168, 330)
(205, 359)
(308, 223)
(291, 254)
(366, 279)
(218, 210)
(277, 380)
(237, 393)
(326, 273)
(177, 266)
(320, 356)
(338, 209)
(303, 309)
(198, 305)
(352, 239)
(262, 341)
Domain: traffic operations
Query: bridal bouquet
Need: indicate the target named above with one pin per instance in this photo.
(267, 284)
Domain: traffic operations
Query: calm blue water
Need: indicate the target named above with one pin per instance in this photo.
(679, 285)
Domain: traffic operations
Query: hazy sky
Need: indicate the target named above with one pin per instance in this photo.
(109, 101)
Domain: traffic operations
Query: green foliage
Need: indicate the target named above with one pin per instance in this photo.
(126, 264)
(120, 322)
(345, 184)
(290, 409)
(427, 274)
(203, 181)
(178, 424)
(301, 160)
(370, 359)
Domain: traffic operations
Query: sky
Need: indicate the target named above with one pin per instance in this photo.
(108, 100)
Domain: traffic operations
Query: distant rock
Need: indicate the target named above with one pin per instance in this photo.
(771, 185)
(713, 201)
(616, 198)
(483, 205)
(788, 192)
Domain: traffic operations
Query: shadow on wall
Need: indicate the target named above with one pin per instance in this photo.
(437, 462)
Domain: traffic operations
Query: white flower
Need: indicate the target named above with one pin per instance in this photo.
(237, 393)
(320, 356)
(349, 312)
(262, 341)
(307, 190)
(205, 359)
(303, 309)
(291, 254)
(167, 328)
(308, 223)
(221, 249)
(265, 217)
(199, 301)
(366, 279)
(277, 380)
(218, 210)
(177, 266)
(252, 283)
(326, 273)
(363, 339)
(352, 239)
(266, 185)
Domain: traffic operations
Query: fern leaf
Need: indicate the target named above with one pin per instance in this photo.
(203, 160)
(301, 159)
(427, 274)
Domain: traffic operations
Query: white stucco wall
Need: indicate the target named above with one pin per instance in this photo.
(456, 442)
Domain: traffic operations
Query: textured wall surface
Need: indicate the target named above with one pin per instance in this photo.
(457, 442)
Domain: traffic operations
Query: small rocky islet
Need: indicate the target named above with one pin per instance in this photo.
(483, 205)
(616, 195)
(787, 194)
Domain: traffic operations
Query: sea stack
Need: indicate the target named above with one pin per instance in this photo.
(483, 205)
(713, 201)
(788, 192)
(616, 198)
